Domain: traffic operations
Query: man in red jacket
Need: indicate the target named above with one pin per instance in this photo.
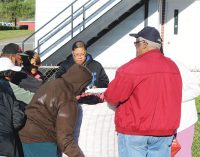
(147, 93)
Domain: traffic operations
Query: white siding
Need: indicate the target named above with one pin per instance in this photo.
(118, 46)
(60, 27)
(184, 46)
(46, 9)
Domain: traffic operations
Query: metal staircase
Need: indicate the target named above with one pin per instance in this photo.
(81, 24)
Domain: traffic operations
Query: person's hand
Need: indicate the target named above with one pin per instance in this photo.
(36, 60)
(102, 97)
(78, 97)
(85, 94)
(82, 95)
(33, 62)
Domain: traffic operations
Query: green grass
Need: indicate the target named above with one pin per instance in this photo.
(196, 142)
(8, 34)
(198, 104)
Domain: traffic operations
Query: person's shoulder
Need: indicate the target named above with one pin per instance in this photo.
(174, 64)
(125, 67)
(5, 87)
(90, 59)
(96, 62)
(68, 61)
(93, 62)
(2, 85)
(134, 66)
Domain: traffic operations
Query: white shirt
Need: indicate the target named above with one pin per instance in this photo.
(190, 91)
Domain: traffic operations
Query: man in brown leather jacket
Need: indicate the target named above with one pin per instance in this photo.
(52, 113)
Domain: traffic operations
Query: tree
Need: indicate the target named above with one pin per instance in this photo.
(11, 10)
(28, 11)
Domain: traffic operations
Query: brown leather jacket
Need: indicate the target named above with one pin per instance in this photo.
(52, 113)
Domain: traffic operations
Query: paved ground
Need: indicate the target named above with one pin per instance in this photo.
(28, 45)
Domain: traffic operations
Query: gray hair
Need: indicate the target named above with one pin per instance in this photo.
(151, 43)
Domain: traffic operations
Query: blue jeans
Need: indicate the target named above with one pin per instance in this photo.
(144, 146)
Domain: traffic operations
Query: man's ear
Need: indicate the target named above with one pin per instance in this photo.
(145, 44)
(14, 60)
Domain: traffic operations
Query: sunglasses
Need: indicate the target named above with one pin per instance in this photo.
(137, 42)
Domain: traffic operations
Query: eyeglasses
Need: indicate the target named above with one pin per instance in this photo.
(137, 42)
(79, 54)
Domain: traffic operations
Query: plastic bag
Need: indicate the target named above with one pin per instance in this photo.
(175, 147)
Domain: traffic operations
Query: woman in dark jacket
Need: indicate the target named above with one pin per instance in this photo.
(52, 113)
(11, 116)
(80, 56)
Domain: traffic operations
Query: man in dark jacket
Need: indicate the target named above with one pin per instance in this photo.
(14, 52)
(11, 116)
(80, 56)
(52, 113)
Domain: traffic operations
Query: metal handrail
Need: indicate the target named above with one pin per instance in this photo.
(68, 20)
(47, 23)
(75, 28)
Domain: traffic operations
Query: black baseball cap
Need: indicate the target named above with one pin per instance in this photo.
(149, 33)
(13, 48)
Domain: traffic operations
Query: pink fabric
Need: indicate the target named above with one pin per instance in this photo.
(185, 138)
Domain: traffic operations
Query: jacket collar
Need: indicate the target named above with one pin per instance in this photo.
(155, 51)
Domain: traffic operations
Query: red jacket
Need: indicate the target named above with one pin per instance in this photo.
(148, 93)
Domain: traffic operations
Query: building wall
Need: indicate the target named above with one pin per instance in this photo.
(116, 47)
(29, 24)
(184, 45)
(62, 22)
(46, 9)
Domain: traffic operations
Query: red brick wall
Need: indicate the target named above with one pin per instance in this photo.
(30, 24)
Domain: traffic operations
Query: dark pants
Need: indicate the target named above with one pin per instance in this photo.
(43, 149)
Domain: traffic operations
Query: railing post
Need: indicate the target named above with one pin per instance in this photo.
(23, 46)
(84, 17)
(38, 47)
(72, 18)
